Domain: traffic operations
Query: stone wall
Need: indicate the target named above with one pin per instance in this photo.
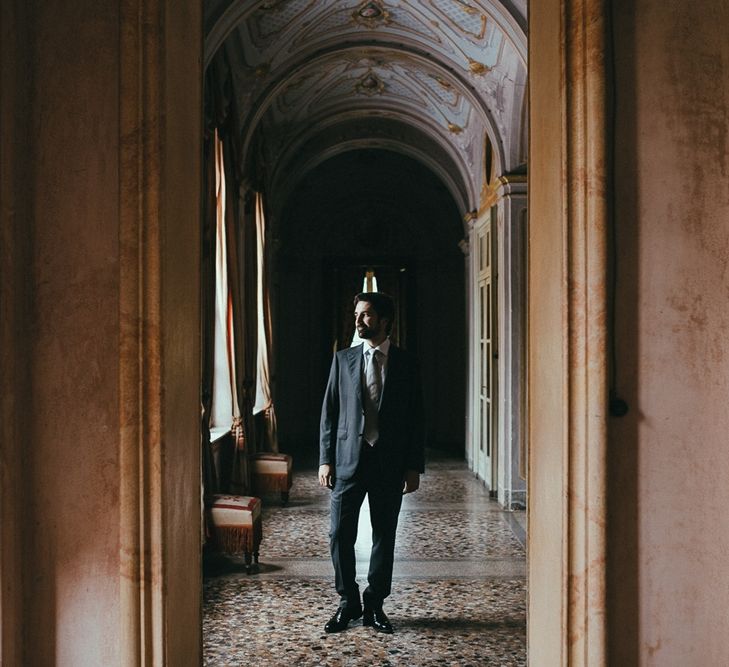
(668, 456)
(100, 336)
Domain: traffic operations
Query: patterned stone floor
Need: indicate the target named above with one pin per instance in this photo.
(459, 591)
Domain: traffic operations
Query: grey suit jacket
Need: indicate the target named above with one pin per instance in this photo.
(401, 432)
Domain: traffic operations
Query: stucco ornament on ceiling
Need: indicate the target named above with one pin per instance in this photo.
(370, 84)
(456, 69)
(331, 84)
(371, 14)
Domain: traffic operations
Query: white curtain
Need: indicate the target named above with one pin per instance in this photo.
(264, 400)
(225, 401)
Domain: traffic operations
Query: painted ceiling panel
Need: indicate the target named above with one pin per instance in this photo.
(346, 79)
(453, 66)
(467, 18)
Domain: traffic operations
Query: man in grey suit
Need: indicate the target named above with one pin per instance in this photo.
(371, 443)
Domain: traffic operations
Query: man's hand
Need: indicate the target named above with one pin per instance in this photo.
(412, 481)
(325, 476)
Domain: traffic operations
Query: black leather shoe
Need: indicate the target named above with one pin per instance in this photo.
(377, 619)
(341, 619)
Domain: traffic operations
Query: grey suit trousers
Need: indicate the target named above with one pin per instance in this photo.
(384, 495)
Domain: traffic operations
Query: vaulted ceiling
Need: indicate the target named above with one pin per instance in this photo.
(443, 81)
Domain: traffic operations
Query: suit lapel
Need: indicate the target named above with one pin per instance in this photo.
(355, 369)
(393, 368)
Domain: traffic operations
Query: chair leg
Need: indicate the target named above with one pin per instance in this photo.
(285, 497)
(247, 556)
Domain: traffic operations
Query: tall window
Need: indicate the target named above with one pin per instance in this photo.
(369, 284)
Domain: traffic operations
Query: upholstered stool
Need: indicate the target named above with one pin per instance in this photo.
(272, 474)
(236, 525)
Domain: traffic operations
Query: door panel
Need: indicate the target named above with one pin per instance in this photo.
(485, 451)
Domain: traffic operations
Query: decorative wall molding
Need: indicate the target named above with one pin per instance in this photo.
(587, 207)
(567, 295)
(158, 388)
(140, 381)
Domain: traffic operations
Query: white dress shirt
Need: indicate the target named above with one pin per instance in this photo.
(384, 349)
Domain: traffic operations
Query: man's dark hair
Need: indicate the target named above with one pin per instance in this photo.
(382, 304)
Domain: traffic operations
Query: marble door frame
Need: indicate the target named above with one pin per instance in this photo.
(160, 154)
(567, 374)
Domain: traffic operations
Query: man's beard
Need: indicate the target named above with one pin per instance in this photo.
(366, 332)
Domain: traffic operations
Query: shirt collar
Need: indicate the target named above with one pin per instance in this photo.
(383, 347)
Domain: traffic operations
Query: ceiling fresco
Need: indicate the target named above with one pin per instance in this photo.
(455, 69)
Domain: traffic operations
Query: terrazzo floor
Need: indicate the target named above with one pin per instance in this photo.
(459, 589)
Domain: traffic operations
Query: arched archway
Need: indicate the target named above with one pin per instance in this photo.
(443, 82)
(503, 93)
(305, 84)
(368, 209)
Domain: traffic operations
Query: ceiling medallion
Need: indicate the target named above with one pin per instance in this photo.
(477, 67)
(456, 129)
(371, 14)
(370, 84)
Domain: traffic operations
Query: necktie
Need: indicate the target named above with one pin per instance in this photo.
(373, 382)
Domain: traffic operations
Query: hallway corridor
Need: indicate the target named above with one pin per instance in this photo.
(459, 589)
